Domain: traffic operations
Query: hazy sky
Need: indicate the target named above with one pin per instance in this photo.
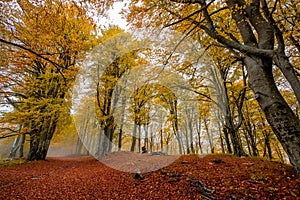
(115, 17)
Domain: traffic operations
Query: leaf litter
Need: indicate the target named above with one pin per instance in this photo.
(189, 177)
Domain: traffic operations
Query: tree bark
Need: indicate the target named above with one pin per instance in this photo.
(283, 121)
(258, 55)
(16, 145)
(133, 142)
(210, 139)
(199, 130)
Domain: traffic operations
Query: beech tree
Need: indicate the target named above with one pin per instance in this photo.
(140, 111)
(45, 40)
(251, 31)
(114, 55)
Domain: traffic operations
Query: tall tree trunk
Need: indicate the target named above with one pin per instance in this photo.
(122, 124)
(221, 138)
(227, 140)
(99, 147)
(177, 135)
(248, 142)
(40, 139)
(230, 129)
(267, 145)
(187, 144)
(253, 144)
(283, 121)
(210, 139)
(191, 136)
(199, 130)
(139, 138)
(146, 142)
(133, 142)
(16, 145)
(21, 146)
(151, 140)
(161, 138)
(120, 137)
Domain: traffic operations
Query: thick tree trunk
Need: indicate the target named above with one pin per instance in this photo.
(108, 131)
(40, 140)
(283, 121)
(38, 148)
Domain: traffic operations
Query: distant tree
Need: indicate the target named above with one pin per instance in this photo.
(114, 56)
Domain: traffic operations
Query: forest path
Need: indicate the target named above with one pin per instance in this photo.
(189, 177)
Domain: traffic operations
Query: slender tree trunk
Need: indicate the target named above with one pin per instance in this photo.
(210, 139)
(199, 130)
(139, 139)
(253, 141)
(187, 144)
(191, 136)
(288, 71)
(151, 140)
(15, 146)
(120, 137)
(267, 145)
(248, 142)
(133, 138)
(121, 125)
(161, 139)
(21, 147)
(221, 138)
(78, 146)
(227, 140)
(99, 147)
(146, 142)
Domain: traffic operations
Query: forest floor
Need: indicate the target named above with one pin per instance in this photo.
(188, 177)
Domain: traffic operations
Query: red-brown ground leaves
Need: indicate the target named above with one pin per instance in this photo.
(87, 178)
